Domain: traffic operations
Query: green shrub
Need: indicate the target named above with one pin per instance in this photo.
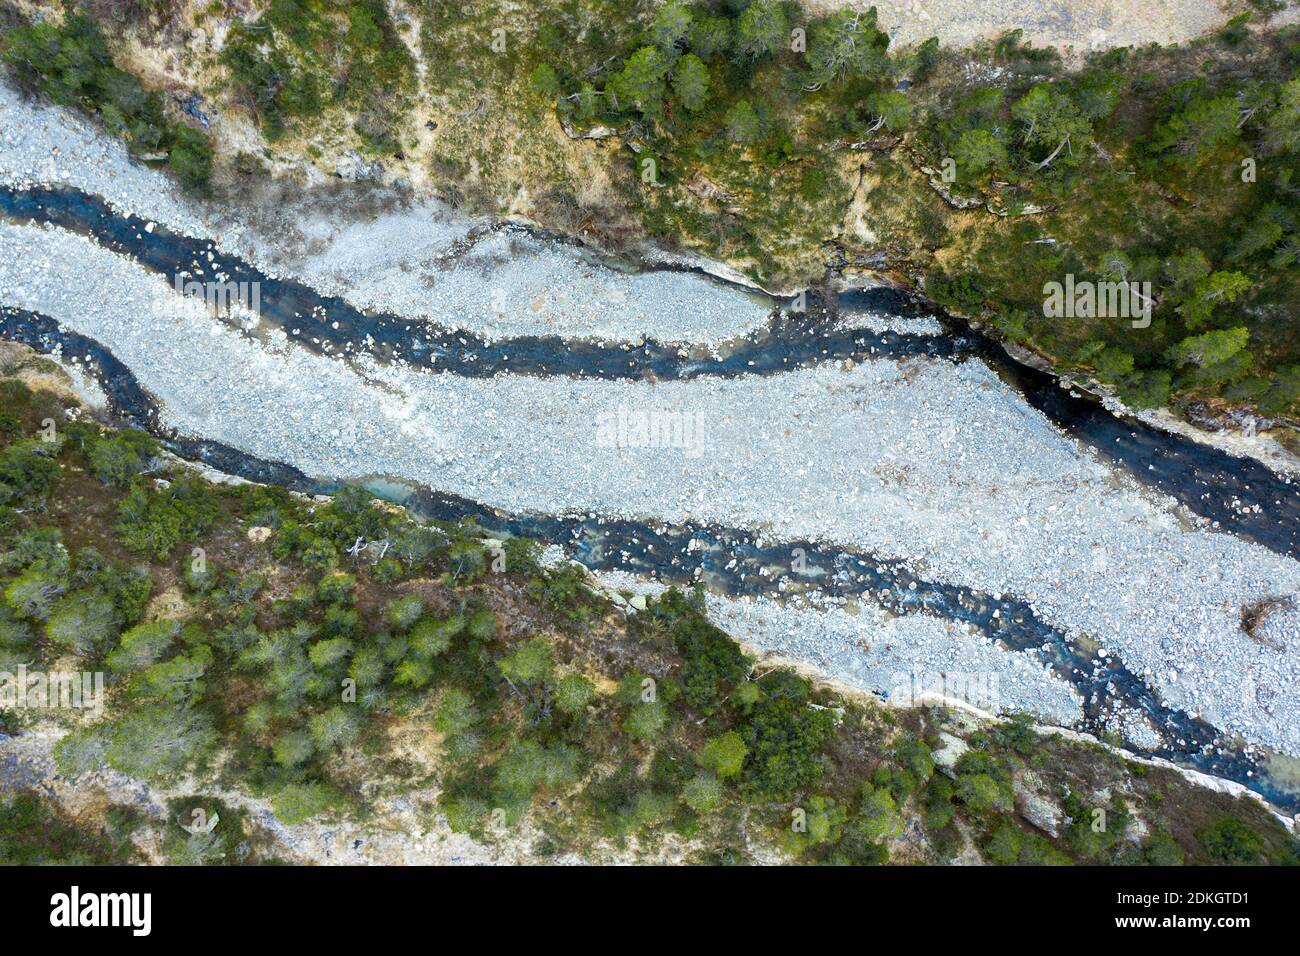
(646, 721)
(83, 622)
(299, 802)
(143, 645)
(117, 457)
(1231, 841)
(404, 612)
(572, 694)
(455, 713)
(155, 521)
(703, 793)
(27, 472)
(724, 754)
(529, 663)
(1003, 847)
(336, 588)
(784, 736)
(711, 658)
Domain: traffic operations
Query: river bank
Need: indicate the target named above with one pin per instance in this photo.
(938, 466)
(394, 813)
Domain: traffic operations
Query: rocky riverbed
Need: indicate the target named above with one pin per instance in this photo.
(938, 465)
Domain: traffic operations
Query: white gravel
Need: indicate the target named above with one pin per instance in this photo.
(507, 282)
(420, 262)
(942, 465)
(43, 144)
(853, 318)
(898, 657)
(902, 657)
(1084, 25)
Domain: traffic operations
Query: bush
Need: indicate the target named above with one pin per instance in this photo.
(983, 783)
(336, 588)
(823, 823)
(784, 736)
(913, 768)
(27, 472)
(1003, 847)
(711, 658)
(724, 755)
(877, 816)
(404, 612)
(646, 721)
(83, 622)
(333, 727)
(178, 680)
(328, 654)
(320, 555)
(572, 694)
(1162, 850)
(154, 522)
(15, 641)
(560, 588)
(430, 637)
(157, 741)
(299, 802)
(528, 765)
(529, 663)
(1232, 842)
(33, 593)
(117, 457)
(293, 748)
(143, 645)
(703, 793)
(455, 713)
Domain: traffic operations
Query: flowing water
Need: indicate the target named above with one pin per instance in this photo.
(730, 561)
(1241, 494)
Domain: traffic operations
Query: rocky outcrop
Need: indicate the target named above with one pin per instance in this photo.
(948, 753)
(1034, 805)
(353, 168)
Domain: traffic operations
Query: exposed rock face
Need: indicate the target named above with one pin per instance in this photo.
(1137, 831)
(1027, 356)
(950, 750)
(1211, 417)
(956, 202)
(595, 132)
(352, 168)
(1034, 806)
(706, 188)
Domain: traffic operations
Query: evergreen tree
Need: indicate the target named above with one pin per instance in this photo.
(691, 82)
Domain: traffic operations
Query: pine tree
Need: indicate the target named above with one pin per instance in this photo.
(691, 82)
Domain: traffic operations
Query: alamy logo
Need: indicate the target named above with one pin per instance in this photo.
(75, 690)
(1098, 300)
(916, 688)
(222, 296)
(651, 428)
(103, 909)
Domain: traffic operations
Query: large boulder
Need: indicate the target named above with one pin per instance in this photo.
(948, 753)
(1034, 805)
